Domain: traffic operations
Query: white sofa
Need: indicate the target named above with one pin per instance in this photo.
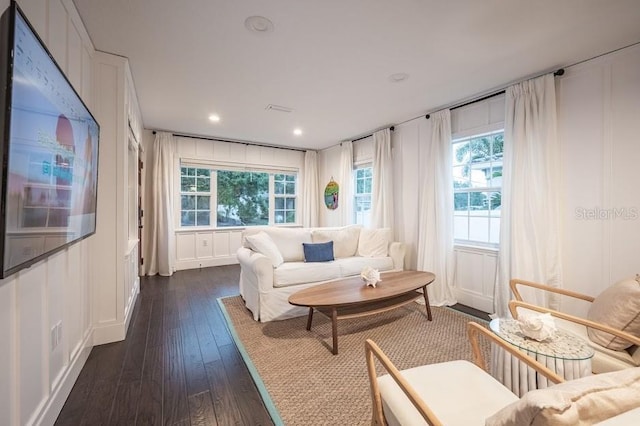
(266, 283)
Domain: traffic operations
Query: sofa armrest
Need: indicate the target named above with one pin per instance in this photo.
(397, 252)
(256, 270)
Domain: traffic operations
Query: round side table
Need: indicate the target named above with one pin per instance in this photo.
(564, 353)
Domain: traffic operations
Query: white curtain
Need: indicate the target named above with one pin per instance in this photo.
(382, 188)
(435, 239)
(160, 246)
(345, 200)
(310, 191)
(529, 230)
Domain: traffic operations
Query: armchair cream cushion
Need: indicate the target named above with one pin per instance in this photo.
(582, 401)
(618, 307)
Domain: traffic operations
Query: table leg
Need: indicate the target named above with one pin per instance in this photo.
(309, 318)
(334, 329)
(426, 302)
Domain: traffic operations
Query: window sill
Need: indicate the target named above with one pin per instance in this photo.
(476, 248)
(186, 230)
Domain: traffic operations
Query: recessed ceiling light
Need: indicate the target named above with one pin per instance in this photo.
(398, 77)
(297, 132)
(214, 117)
(258, 24)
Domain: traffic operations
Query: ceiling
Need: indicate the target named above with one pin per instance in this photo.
(330, 60)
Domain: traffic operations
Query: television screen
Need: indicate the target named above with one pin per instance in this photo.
(50, 153)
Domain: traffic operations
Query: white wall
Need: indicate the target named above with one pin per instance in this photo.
(598, 108)
(34, 379)
(598, 128)
(115, 272)
(213, 247)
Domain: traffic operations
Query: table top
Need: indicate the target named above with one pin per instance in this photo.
(353, 290)
(563, 344)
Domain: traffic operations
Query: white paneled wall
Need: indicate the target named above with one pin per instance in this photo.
(475, 277)
(598, 128)
(36, 378)
(214, 247)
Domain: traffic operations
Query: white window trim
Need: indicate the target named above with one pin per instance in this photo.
(230, 166)
(356, 167)
(478, 132)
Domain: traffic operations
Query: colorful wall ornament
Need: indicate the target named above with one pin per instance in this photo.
(331, 194)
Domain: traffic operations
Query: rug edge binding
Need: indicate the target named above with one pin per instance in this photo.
(262, 390)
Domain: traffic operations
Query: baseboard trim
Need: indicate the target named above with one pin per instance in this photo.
(181, 265)
(115, 331)
(60, 393)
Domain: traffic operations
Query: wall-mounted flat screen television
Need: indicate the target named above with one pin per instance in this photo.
(49, 151)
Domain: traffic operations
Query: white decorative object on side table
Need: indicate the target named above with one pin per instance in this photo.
(538, 327)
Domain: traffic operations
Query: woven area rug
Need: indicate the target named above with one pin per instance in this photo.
(302, 383)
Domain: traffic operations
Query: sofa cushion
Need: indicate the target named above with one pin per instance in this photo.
(354, 265)
(289, 241)
(262, 243)
(374, 242)
(318, 252)
(585, 401)
(345, 240)
(618, 307)
(294, 273)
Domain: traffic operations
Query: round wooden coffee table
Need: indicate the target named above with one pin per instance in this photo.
(352, 298)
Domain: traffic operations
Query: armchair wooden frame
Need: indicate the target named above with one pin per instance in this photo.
(474, 330)
(519, 302)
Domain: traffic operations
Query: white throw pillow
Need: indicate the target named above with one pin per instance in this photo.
(262, 243)
(618, 307)
(289, 241)
(584, 401)
(345, 240)
(374, 242)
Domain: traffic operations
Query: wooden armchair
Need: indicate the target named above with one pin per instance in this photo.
(461, 393)
(450, 393)
(604, 360)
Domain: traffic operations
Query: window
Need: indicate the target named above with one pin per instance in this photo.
(238, 198)
(477, 186)
(242, 198)
(285, 198)
(362, 195)
(195, 196)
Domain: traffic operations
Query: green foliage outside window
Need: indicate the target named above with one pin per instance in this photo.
(243, 198)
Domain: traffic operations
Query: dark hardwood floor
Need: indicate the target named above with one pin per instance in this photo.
(177, 366)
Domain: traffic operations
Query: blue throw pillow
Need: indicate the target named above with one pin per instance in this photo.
(318, 252)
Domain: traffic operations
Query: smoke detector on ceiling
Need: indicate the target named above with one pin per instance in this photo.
(398, 77)
(280, 108)
(258, 24)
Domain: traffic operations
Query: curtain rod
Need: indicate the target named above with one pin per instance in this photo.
(489, 96)
(231, 141)
(392, 128)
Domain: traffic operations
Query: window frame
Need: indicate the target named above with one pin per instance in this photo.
(490, 189)
(214, 168)
(196, 194)
(358, 196)
(285, 197)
